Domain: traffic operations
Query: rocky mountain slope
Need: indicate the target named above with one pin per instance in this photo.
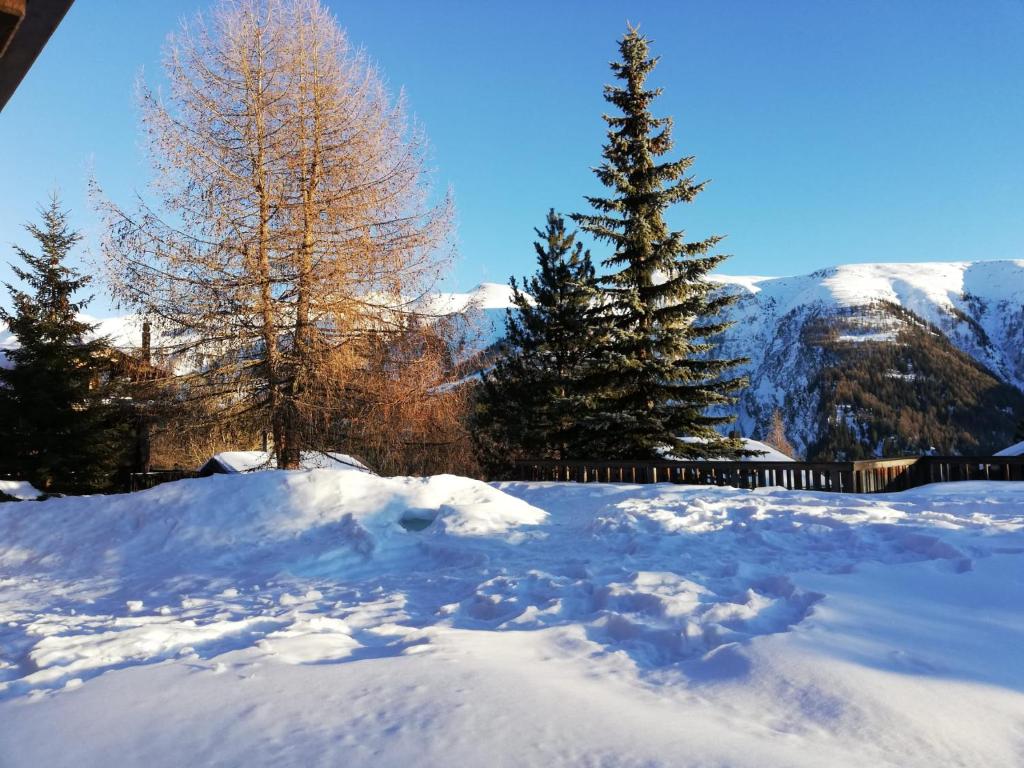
(872, 359)
(943, 341)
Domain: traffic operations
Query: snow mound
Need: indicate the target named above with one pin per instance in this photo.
(339, 618)
(266, 523)
(767, 452)
(20, 489)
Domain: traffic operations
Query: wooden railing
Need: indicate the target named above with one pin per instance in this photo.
(873, 476)
(140, 481)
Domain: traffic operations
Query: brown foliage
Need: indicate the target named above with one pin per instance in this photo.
(776, 436)
(414, 419)
(293, 231)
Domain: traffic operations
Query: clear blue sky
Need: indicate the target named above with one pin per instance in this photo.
(832, 131)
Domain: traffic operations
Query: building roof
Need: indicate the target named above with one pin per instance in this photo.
(233, 462)
(1017, 449)
(25, 27)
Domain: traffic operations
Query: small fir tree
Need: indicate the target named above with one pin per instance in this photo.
(660, 375)
(530, 405)
(59, 427)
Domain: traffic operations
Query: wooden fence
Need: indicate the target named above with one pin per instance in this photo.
(874, 476)
(140, 481)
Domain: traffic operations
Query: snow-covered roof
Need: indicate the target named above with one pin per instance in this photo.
(770, 454)
(254, 461)
(1017, 449)
(20, 489)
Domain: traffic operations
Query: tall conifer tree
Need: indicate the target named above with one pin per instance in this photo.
(659, 372)
(530, 404)
(59, 428)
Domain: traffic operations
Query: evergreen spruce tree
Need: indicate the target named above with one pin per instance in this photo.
(659, 373)
(530, 404)
(1019, 435)
(58, 426)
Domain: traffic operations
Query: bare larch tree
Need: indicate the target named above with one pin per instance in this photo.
(293, 227)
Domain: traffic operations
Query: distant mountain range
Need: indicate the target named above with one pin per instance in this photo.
(873, 359)
(862, 359)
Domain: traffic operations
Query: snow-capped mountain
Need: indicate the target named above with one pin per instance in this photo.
(124, 332)
(977, 307)
(485, 304)
(915, 327)
(920, 355)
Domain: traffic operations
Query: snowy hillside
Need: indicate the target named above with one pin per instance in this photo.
(338, 618)
(124, 332)
(486, 305)
(978, 306)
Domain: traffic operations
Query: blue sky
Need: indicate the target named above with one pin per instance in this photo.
(832, 131)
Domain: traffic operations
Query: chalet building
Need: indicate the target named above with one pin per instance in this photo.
(236, 462)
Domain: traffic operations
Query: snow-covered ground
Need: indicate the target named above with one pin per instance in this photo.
(291, 618)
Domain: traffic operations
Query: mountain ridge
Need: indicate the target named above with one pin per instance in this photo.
(807, 336)
(795, 329)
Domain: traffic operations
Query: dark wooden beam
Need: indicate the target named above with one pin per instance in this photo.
(25, 26)
(11, 14)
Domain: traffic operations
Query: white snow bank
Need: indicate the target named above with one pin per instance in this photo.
(20, 489)
(252, 461)
(857, 338)
(264, 523)
(1017, 449)
(291, 617)
(767, 452)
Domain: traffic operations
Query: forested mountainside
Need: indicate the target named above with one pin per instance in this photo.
(884, 359)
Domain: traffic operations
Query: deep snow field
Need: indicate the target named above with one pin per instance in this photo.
(289, 619)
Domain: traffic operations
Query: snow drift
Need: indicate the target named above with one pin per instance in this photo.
(260, 524)
(333, 617)
(20, 489)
